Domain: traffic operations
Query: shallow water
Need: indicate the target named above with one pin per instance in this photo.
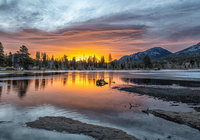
(24, 98)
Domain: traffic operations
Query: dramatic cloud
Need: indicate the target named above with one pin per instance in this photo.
(119, 27)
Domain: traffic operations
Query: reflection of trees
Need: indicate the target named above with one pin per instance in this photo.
(101, 75)
(43, 83)
(37, 82)
(110, 81)
(0, 91)
(73, 78)
(64, 81)
(9, 85)
(51, 81)
(21, 86)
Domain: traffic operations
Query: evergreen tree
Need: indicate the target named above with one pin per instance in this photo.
(147, 61)
(37, 58)
(22, 53)
(102, 61)
(110, 57)
(9, 60)
(94, 61)
(66, 62)
(44, 59)
(56, 63)
(1, 54)
(90, 60)
(74, 62)
(27, 62)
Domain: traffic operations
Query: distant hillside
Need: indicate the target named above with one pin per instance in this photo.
(154, 53)
(193, 50)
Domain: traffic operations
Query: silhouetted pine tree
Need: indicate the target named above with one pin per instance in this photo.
(1, 54)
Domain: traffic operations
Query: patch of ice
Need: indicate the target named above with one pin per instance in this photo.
(2, 84)
(3, 73)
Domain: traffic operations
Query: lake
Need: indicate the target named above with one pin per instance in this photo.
(74, 94)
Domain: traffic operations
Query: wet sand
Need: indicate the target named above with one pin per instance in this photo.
(69, 125)
(191, 119)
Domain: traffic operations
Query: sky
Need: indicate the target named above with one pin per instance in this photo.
(85, 28)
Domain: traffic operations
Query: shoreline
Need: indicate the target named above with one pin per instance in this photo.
(72, 126)
(128, 70)
(170, 93)
(166, 93)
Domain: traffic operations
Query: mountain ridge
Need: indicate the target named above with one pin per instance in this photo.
(158, 52)
(154, 53)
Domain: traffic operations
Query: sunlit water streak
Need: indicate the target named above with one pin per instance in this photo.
(75, 95)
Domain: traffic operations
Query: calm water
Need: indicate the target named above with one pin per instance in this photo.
(26, 97)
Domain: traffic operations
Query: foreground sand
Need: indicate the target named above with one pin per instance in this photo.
(191, 119)
(69, 125)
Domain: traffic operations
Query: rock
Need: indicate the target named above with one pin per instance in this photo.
(69, 125)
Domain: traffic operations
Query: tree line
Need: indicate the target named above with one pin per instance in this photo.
(21, 59)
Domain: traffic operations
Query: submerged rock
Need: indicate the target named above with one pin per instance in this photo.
(5, 121)
(191, 119)
(61, 124)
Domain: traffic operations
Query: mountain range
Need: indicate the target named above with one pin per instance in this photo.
(158, 52)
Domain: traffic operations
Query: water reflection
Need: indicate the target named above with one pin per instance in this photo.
(0, 91)
(77, 92)
(83, 80)
(43, 83)
(21, 87)
(37, 83)
(9, 86)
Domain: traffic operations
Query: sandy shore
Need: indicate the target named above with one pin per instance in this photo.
(184, 95)
(69, 125)
(191, 119)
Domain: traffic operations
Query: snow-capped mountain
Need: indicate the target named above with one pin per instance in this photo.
(195, 49)
(154, 53)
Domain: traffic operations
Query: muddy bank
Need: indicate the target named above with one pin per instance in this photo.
(191, 119)
(184, 95)
(196, 108)
(69, 125)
